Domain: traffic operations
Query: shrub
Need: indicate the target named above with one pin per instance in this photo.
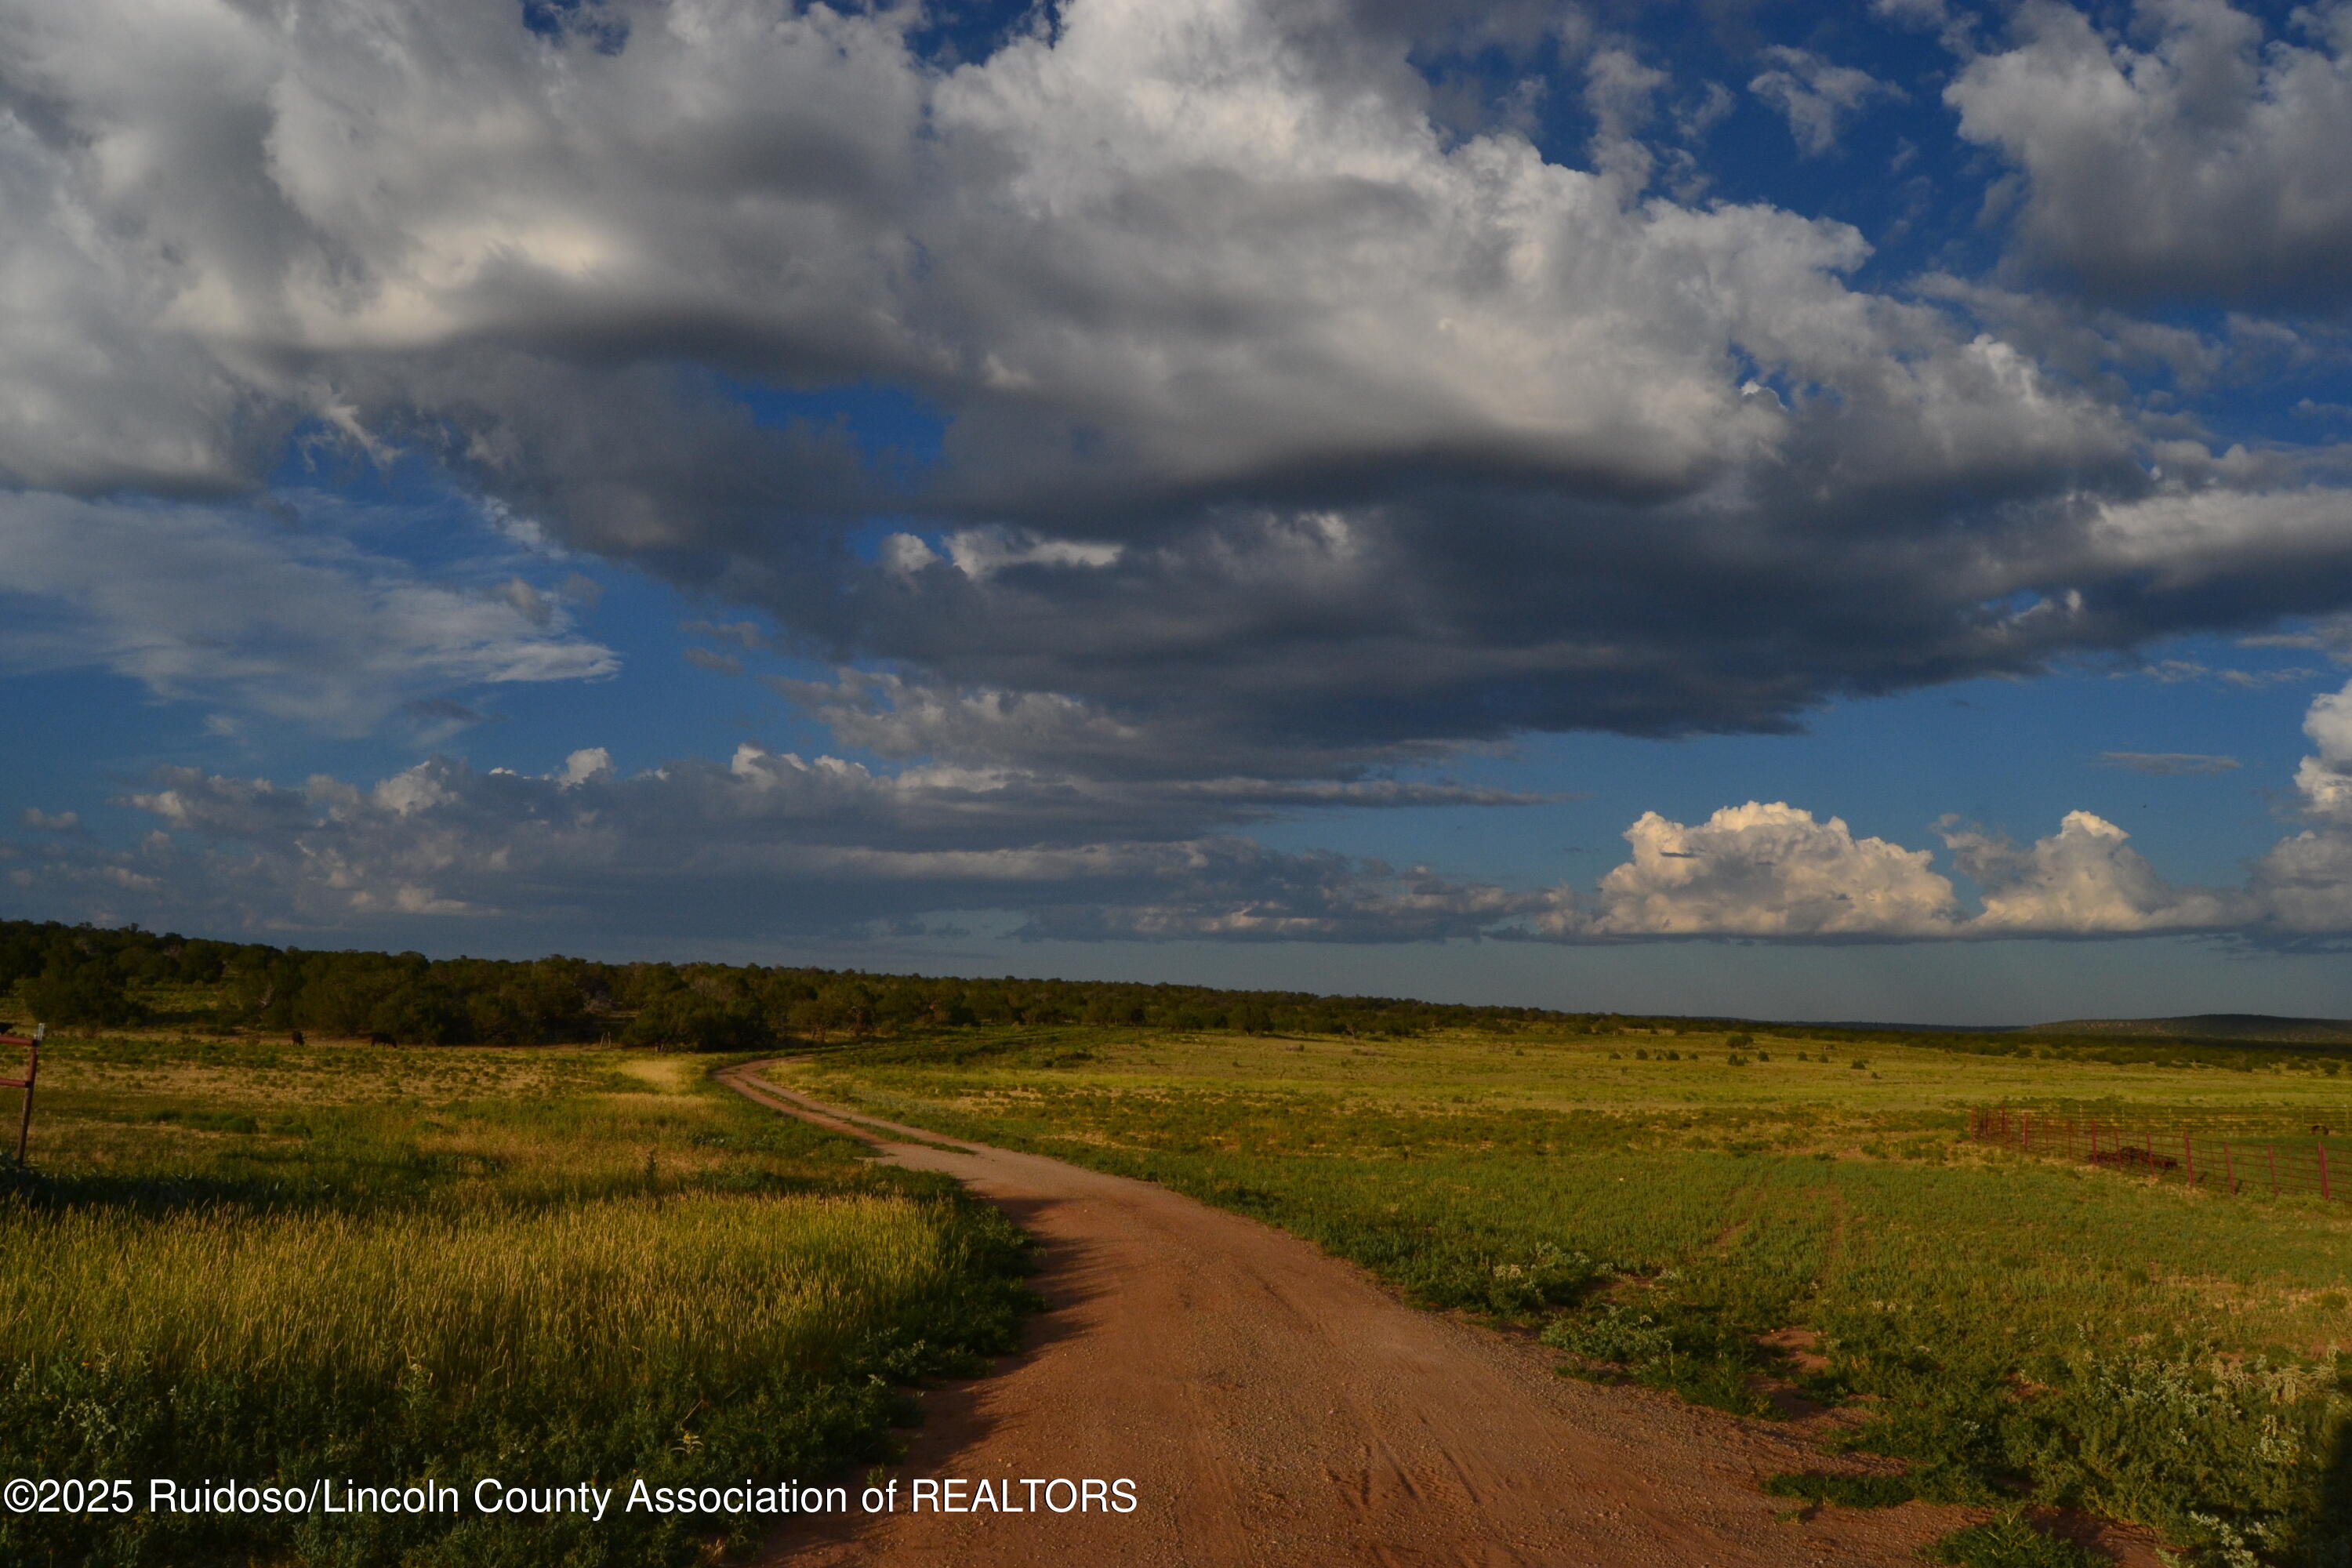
(87, 994)
(1846, 1491)
(2009, 1542)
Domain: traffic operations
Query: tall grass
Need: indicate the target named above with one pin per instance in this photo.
(615, 1293)
(549, 1271)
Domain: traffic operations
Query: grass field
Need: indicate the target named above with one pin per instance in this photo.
(1662, 1206)
(268, 1263)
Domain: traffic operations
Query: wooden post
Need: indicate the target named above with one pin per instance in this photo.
(32, 1045)
(2321, 1144)
(2229, 1166)
(2272, 1150)
(2189, 1156)
(25, 1124)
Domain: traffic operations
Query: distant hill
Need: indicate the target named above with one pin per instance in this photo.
(2213, 1027)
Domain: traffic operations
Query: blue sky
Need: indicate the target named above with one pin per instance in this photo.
(1795, 511)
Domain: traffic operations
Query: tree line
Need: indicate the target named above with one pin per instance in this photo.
(90, 976)
(111, 977)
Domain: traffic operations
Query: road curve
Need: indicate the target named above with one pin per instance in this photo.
(1276, 1406)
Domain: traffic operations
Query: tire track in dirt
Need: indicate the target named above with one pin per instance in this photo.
(1276, 1406)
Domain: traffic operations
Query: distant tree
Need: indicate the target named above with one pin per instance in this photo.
(87, 993)
(689, 1021)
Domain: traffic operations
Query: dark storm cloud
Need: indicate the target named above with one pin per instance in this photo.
(1272, 412)
(1289, 436)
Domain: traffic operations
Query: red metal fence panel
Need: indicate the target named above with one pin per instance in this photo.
(2222, 1157)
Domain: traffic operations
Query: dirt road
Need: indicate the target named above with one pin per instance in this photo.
(1273, 1405)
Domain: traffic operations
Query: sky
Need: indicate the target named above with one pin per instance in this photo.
(1793, 511)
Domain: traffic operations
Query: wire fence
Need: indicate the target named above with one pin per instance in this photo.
(2218, 1158)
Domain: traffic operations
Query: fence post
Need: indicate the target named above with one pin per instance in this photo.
(32, 1071)
(2272, 1150)
(2322, 1144)
(2189, 1156)
(2229, 1166)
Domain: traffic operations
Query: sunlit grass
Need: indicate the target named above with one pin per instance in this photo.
(2008, 1326)
(290, 1264)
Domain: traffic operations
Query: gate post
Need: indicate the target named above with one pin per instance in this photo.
(32, 1045)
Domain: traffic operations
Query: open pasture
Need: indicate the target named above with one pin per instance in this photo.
(388, 1266)
(1783, 1227)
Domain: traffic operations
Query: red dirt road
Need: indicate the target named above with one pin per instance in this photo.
(1276, 1406)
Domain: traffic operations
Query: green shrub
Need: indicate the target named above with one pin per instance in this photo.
(80, 994)
(1846, 1491)
(2009, 1541)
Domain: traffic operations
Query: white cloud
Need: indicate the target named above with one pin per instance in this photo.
(1771, 871)
(2325, 780)
(1621, 92)
(219, 605)
(765, 844)
(980, 553)
(2306, 881)
(1815, 95)
(2083, 880)
(1176, 228)
(1774, 871)
(2208, 162)
(2166, 765)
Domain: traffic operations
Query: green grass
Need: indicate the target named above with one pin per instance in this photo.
(282, 1264)
(1846, 1491)
(2011, 1328)
(2009, 1542)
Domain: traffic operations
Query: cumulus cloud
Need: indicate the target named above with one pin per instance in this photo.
(2083, 880)
(2324, 780)
(2304, 883)
(2205, 158)
(220, 603)
(1775, 872)
(1771, 870)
